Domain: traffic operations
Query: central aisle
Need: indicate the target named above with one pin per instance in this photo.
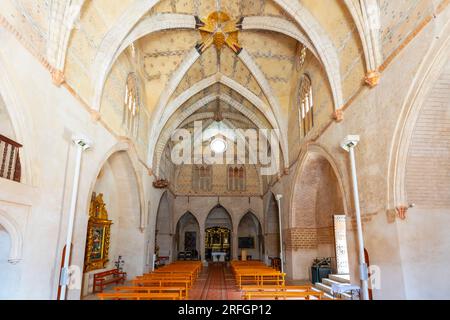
(216, 282)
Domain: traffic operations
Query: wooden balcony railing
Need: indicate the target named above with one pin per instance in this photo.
(10, 167)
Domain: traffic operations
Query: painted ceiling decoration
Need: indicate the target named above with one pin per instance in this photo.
(272, 40)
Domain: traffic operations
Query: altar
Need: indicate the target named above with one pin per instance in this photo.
(217, 244)
(218, 256)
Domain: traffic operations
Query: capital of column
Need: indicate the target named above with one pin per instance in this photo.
(372, 78)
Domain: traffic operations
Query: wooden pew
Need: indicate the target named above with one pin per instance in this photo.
(256, 288)
(161, 283)
(283, 295)
(260, 277)
(166, 277)
(182, 292)
(138, 296)
(102, 279)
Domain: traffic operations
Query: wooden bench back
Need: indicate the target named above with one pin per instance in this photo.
(138, 296)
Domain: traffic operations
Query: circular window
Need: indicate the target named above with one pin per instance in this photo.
(218, 145)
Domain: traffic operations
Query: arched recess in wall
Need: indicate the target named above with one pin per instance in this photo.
(250, 237)
(163, 232)
(187, 238)
(219, 233)
(118, 183)
(13, 117)
(272, 230)
(420, 192)
(10, 254)
(317, 197)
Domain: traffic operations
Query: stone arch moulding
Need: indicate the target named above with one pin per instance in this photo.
(63, 17)
(366, 15)
(130, 153)
(13, 229)
(20, 121)
(199, 86)
(188, 61)
(342, 181)
(110, 49)
(322, 43)
(227, 209)
(427, 74)
(257, 216)
(181, 215)
(165, 134)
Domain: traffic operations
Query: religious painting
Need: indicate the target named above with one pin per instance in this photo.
(190, 241)
(98, 235)
(246, 242)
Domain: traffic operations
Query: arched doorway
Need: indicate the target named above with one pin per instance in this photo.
(187, 238)
(8, 272)
(118, 186)
(218, 235)
(317, 209)
(10, 256)
(163, 232)
(272, 231)
(250, 237)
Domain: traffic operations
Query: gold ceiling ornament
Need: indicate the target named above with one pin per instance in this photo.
(219, 29)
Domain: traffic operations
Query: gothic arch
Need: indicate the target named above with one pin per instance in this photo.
(15, 234)
(228, 211)
(428, 73)
(132, 156)
(342, 182)
(20, 121)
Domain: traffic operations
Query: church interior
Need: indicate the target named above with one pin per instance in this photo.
(224, 150)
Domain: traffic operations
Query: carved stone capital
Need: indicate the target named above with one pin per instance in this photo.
(161, 184)
(401, 212)
(95, 115)
(58, 77)
(372, 78)
(338, 115)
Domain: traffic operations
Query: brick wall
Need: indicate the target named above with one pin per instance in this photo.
(428, 168)
(301, 238)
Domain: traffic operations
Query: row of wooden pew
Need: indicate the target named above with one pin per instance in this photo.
(259, 282)
(171, 282)
(256, 273)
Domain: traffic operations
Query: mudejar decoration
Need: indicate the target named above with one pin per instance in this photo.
(98, 235)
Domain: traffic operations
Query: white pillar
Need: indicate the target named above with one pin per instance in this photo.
(280, 225)
(81, 145)
(349, 145)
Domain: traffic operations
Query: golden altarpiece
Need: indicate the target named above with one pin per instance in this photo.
(217, 241)
(98, 235)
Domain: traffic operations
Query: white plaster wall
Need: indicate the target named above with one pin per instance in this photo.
(10, 274)
(424, 252)
(49, 116)
(6, 128)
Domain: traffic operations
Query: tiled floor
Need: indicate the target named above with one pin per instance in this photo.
(215, 283)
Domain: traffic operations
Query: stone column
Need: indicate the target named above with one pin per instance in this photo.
(234, 244)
